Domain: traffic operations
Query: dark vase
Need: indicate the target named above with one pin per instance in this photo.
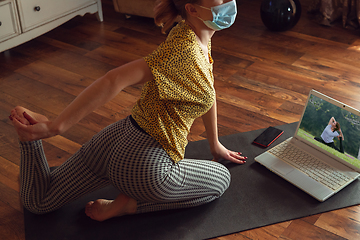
(280, 15)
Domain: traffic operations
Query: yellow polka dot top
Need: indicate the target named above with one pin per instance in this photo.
(182, 89)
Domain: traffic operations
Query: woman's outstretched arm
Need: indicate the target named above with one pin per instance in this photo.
(97, 94)
(217, 149)
(341, 135)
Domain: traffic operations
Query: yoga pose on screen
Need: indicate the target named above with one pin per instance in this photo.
(330, 131)
(143, 154)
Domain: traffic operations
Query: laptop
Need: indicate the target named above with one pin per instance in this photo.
(326, 156)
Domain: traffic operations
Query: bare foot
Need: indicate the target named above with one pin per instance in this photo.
(103, 209)
(23, 118)
(27, 117)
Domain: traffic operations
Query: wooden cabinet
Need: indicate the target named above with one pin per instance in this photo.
(9, 25)
(23, 20)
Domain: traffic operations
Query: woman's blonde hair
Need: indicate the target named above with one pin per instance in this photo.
(167, 11)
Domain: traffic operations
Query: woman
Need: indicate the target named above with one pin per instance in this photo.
(330, 131)
(142, 155)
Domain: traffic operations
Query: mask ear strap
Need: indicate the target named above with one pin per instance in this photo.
(204, 7)
(200, 19)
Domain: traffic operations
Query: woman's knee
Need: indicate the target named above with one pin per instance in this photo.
(36, 206)
(36, 209)
(221, 179)
(227, 178)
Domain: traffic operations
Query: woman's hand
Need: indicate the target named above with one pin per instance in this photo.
(219, 151)
(31, 126)
(32, 132)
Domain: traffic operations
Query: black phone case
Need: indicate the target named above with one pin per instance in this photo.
(268, 136)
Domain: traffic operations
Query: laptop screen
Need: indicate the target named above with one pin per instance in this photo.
(332, 126)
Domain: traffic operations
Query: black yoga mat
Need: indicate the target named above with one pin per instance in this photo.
(256, 197)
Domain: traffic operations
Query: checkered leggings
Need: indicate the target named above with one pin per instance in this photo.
(126, 157)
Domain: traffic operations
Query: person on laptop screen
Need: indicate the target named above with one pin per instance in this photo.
(330, 132)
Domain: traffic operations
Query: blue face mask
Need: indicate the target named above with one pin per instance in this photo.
(223, 16)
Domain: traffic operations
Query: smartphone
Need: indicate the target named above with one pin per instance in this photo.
(268, 136)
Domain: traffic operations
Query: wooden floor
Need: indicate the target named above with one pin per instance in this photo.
(262, 79)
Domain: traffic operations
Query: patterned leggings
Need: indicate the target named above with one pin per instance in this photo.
(126, 157)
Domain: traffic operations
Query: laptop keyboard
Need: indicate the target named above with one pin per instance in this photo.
(310, 165)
